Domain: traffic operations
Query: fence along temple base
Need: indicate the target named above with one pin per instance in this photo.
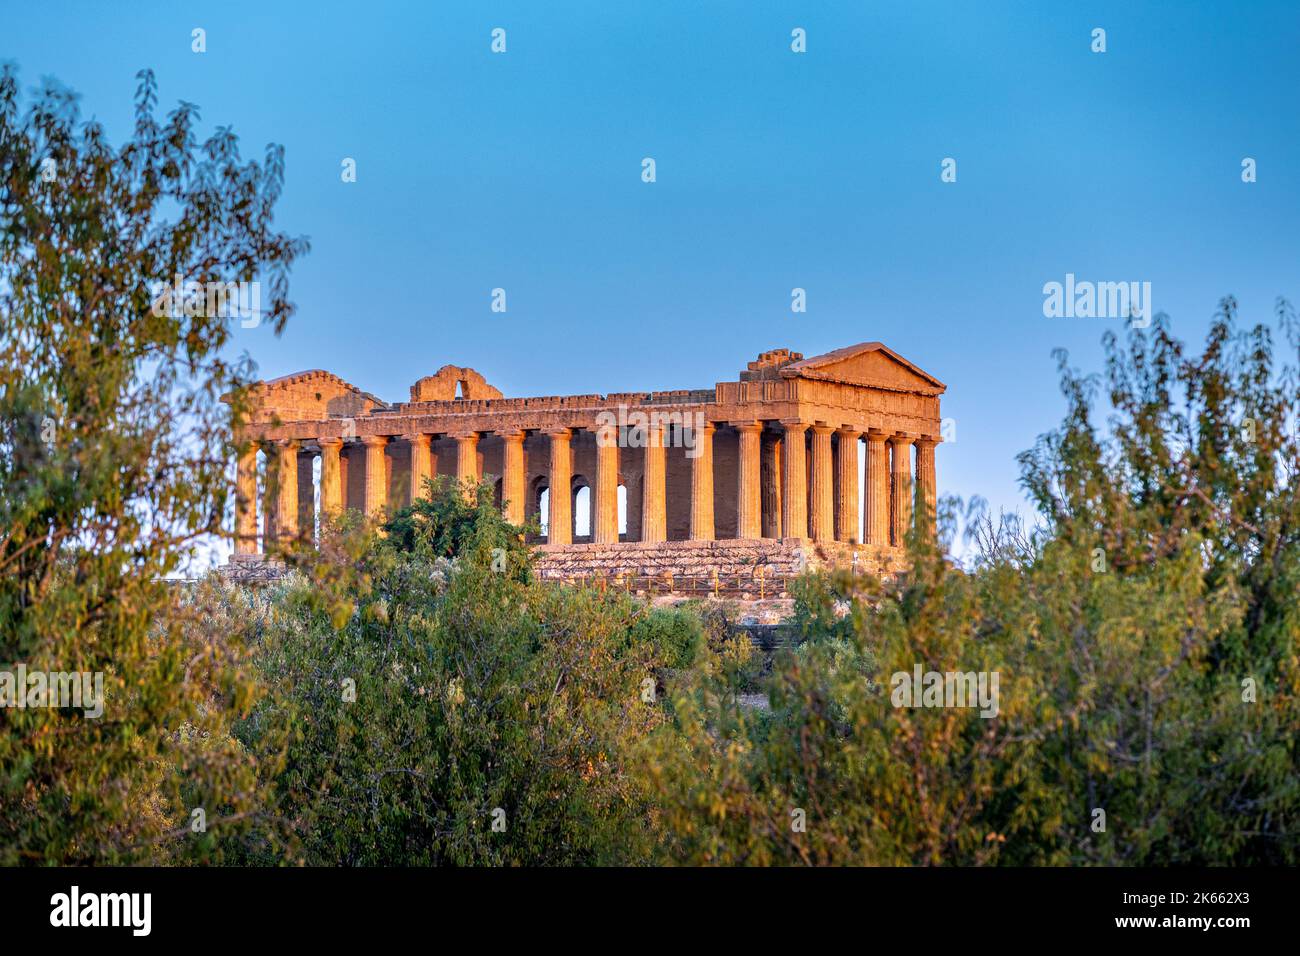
(754, 478)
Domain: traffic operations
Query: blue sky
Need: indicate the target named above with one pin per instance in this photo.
(775, 170)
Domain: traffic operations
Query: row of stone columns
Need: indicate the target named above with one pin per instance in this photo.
(778, 495)
(280, 506)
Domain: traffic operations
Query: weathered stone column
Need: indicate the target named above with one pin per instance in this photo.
(604, 527)
(654, 503)
(467, 474)
(376, 497)
(306, 496)
(559, 527)
(512, 476)
(770, 479)
(331, 477)
(794, 484)
(849, 526)
(421, 464)
(246, 501)
(270, 495)
(877, 488)
(286, 505)
(823, 502)
(900, 510)
(925, 479)
(702, 483)
(749, 495)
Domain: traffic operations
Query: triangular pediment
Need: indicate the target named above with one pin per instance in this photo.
(869, 364)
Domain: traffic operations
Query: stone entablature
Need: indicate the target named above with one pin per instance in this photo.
(772, 455)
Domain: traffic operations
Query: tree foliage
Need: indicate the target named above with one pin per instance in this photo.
(458, 711)
(114, 452)
(1145, 638)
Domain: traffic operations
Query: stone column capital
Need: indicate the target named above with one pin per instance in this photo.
(374, 441)
(928, 441)
(818, 428)
(901, 438)
(794, 425)
(877, 436)
(511, 435)
(748, 426)
(850, 431)
(323, 443)
(419, 438)
(563, 433)
(464, 435)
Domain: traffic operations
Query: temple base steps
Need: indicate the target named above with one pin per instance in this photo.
(754, 571)
(749, 569)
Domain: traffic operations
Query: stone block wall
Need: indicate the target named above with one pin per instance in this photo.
(734, 566)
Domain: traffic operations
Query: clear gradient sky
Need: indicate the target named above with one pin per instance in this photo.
(775, 170)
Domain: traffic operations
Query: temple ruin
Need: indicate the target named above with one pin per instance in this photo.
(742, 484)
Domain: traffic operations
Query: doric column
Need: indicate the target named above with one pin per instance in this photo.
(925, 479)
(467, 474)
(286, 505)
(702, 483)
(877, 488)
(604, 525)
(794, 484)
(654, 510)
(376, 497)
(270, 495)
(331, 476)
(749, 495)
(849, 525)
(559, 527)
(421, 464)
(246, 500)
(900, 510)
(512, 476)
(306, 496)
(823, 471)
(770, 479)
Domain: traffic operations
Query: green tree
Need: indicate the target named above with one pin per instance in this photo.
(443, 706)
(113, 463)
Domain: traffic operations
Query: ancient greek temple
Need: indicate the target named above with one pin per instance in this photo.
(800, 459)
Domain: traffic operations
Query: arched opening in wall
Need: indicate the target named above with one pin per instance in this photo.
(536, 505)
(543, 499)
(581, 508)
(622, 511)
(496, 492)
(460, 388)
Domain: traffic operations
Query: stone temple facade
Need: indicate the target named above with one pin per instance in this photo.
(736, 487)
